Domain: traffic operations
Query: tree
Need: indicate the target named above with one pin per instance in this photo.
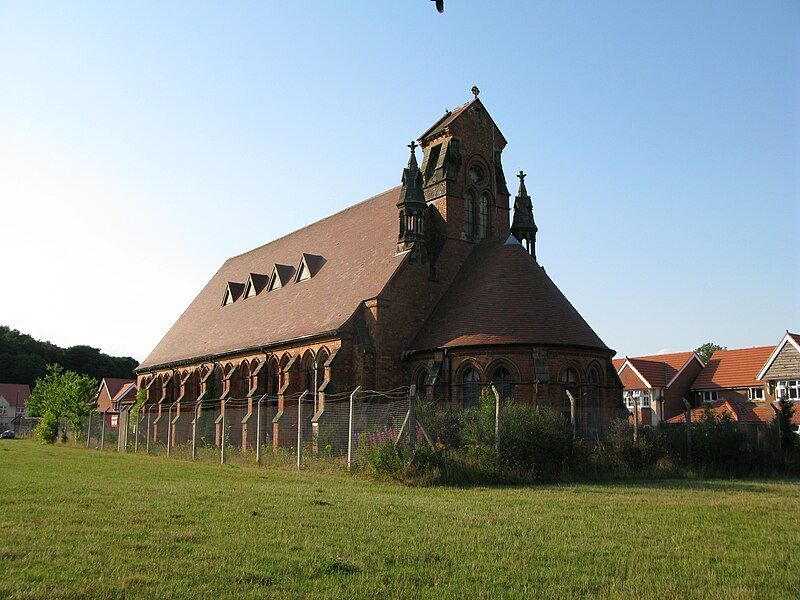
(706, 350)
(785, 427)
(24, 359)
(60, 395)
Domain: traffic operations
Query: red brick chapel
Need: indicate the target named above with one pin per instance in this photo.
(430, 283)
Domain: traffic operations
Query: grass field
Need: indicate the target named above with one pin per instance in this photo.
(79, 523)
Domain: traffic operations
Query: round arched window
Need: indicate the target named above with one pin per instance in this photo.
(471, 388)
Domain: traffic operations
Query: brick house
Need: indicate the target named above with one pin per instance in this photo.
(429, 283)
(658, 383)
(13, 402)
(732, 375)
(105, 403)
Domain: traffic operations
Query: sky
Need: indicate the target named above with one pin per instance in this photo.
(143, 143)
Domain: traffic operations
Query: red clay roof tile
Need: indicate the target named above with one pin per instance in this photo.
(733, 369)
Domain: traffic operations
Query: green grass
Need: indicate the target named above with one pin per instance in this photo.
(79, 523)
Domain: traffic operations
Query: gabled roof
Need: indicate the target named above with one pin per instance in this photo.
(618, 362)
(449, 117)
(728, 369)
(789, 338)
(358, 245)
(113, 385)
(477, 308)
(659, 370)
(15, 392)
(126, 393)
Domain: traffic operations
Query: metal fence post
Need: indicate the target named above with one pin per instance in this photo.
(258, 430)
(572, 411)
(136, 428)
(194, 429)
(496, 417)
(149, 416)
(222, 434)
(300, 428)
(89, 430)
(412, 419)
(103, 432)
(350, 430)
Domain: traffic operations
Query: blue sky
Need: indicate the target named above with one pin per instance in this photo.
(143, 143)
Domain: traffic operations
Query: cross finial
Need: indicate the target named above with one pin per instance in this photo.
(521, 176)
(475, 91)
(413, 146)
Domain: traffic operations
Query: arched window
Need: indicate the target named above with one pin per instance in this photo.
(593, 400)
(273, 378)
(309, 377)
(469, 215)
(502, 380)
(570, 382)
(421, 382)
(471, 388)
(483, 218)
(243, 389)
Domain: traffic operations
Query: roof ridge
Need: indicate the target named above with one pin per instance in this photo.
(299, 229)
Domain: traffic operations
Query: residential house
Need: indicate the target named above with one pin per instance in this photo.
(108, 390)
(13, 403)
(657, 384)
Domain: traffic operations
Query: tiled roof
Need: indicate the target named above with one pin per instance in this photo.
(733, 368)
(15, 392)
(502, 296)
(357, 250)
(114, 385)
(659, 369)
(126, 393)
(743, 412)
(618, 362)
(448, 117)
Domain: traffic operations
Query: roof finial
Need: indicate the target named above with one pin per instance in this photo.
(413, 146)
(475, 91)
(521, 176)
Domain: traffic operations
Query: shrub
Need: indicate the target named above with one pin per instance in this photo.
(47, 429)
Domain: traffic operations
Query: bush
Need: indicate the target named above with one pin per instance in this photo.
(47, 429)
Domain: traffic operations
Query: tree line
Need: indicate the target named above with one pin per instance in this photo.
(24, 359)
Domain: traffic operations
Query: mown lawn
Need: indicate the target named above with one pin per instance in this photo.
(79, 523)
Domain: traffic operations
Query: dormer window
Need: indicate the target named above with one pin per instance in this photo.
(255, 283)
(232, 293)
(281, 275)
(309, 265)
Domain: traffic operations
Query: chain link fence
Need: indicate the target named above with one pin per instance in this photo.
(335, 429)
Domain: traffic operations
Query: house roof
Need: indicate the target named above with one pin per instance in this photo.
(789, 338)
(618, 362)
(658, 370)
(743, 412)
(357, 253)
(477, 308)
(126, 393)
(15, 392)
(113, 385)
(736, 368)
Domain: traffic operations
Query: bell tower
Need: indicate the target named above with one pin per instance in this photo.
(463, 175)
